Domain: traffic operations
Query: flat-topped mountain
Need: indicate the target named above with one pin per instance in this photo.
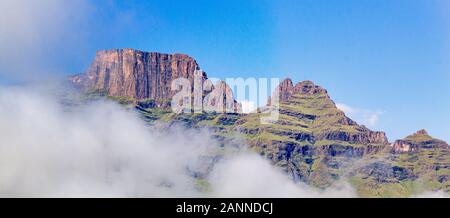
(136, 74)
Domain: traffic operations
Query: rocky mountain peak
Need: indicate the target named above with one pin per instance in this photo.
(312, 107)
(418, 141)
(421, 132)
(287, 89)
(419, 136)
(308, 88)
(221, 99)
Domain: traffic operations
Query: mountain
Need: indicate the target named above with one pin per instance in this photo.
(306, 99)
(131, 75)
(136, 74)
(312, 141)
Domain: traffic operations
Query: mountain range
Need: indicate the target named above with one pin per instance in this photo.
(313, 141)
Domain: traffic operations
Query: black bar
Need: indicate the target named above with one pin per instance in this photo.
(149, 207)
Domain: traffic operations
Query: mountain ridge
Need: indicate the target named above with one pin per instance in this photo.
(312, 141)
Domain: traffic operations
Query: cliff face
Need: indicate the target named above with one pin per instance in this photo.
(136, 74)
(142, 75)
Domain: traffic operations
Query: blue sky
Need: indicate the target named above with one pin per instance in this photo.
(387, 61)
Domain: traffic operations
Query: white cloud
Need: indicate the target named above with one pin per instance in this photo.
(98, 150)
(251, 176)
(372, 118)
(345, 108)
(366, 117)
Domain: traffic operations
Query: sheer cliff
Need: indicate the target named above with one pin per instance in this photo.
(136, 74)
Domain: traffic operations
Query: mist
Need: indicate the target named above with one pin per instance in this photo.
(249, 175)
(101, 149)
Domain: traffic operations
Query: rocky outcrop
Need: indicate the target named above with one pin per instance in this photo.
(363, 137)
(136, 74)
(401, 146)
(221, 99)
(287, 89)
(308, 88)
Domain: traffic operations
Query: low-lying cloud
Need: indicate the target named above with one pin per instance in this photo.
(100, 149)
(248, 175)
(97, 150)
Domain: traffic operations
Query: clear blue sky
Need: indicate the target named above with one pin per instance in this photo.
(391, 57)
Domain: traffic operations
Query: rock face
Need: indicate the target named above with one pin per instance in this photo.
(363, 136)
(148, 75)
(287, 89)
(136, 74)
(221, 99)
